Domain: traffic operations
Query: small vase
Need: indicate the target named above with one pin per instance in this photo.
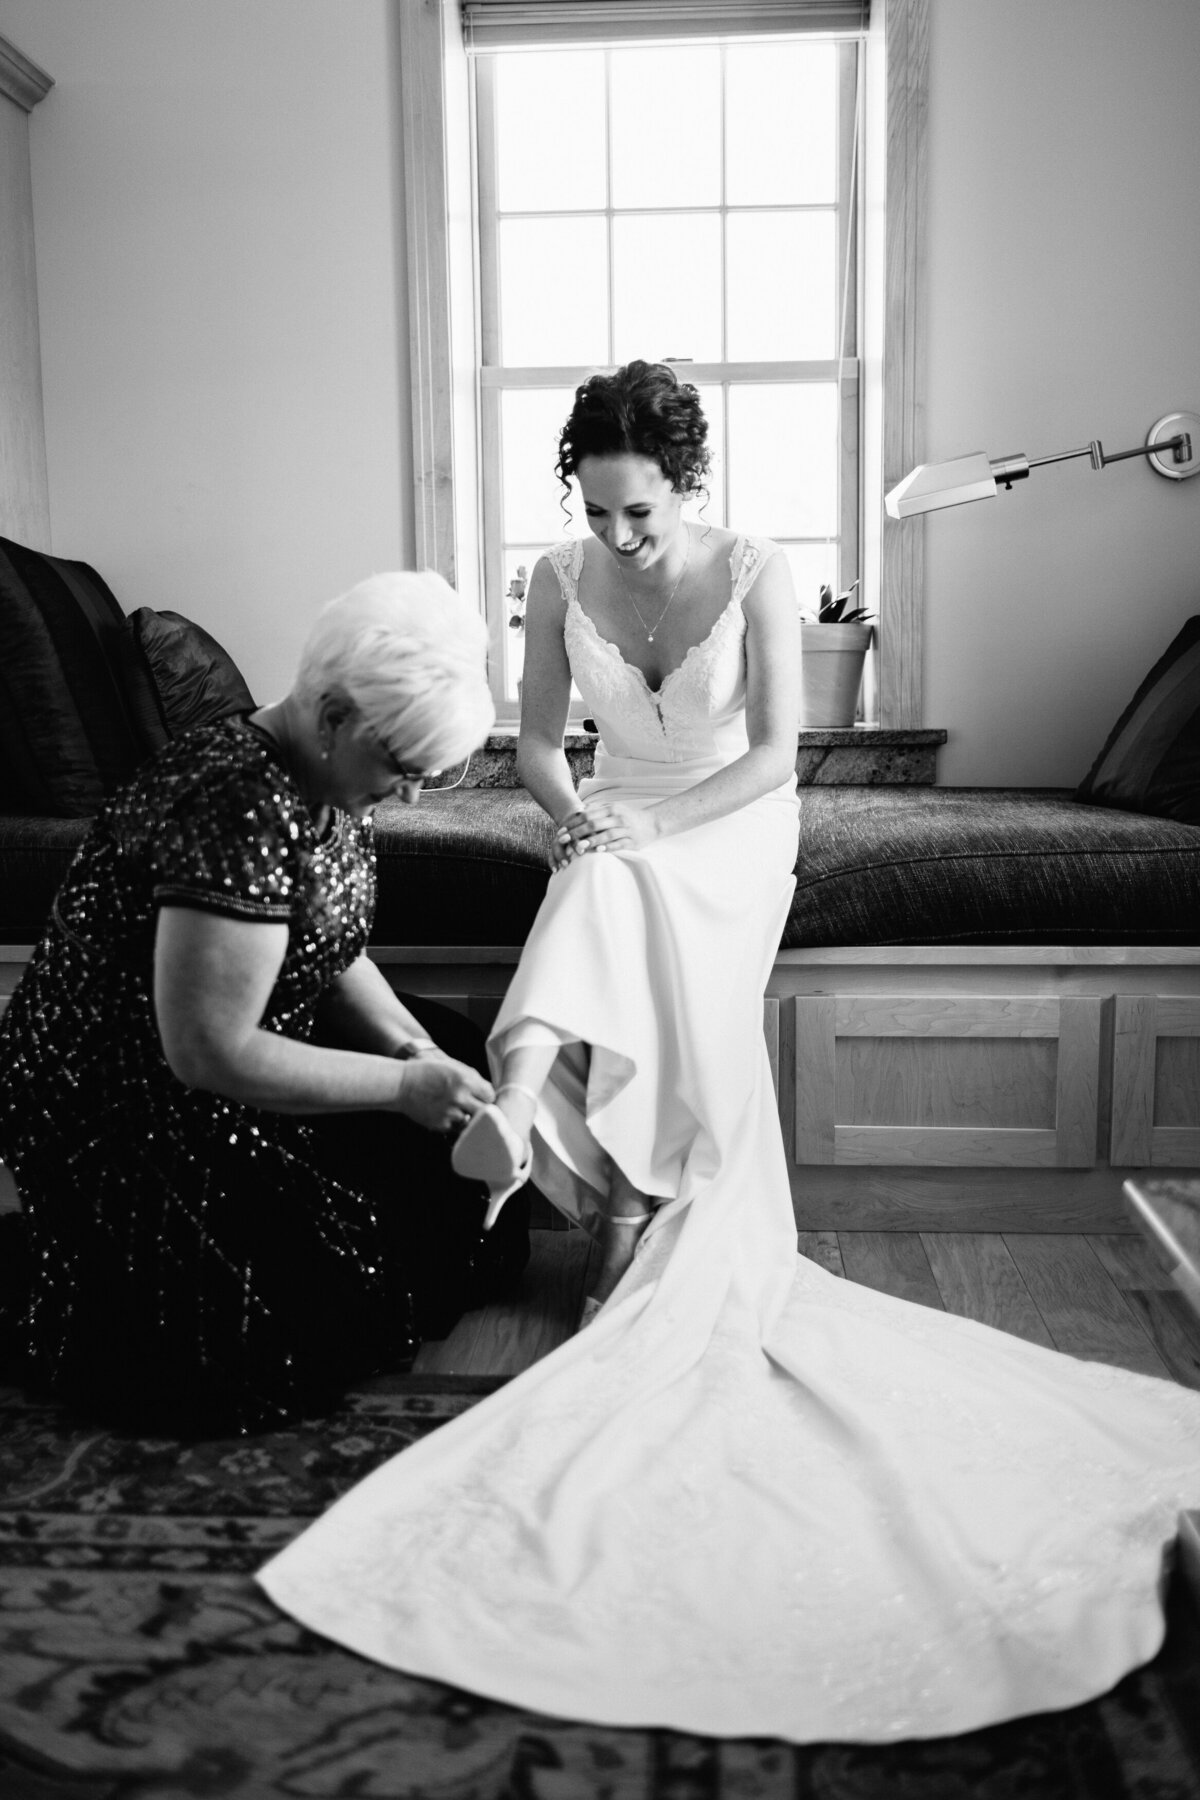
(831, 669)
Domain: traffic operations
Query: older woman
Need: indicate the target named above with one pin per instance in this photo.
(220, 1118)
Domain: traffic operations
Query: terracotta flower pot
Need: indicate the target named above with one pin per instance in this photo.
(831, 669)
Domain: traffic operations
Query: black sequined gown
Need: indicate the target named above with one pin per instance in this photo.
(199, 1263)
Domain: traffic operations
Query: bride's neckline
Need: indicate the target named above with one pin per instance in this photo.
(656, 692)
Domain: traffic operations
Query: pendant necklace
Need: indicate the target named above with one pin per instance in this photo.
(650, 630)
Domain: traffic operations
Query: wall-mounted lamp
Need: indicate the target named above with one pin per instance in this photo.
(1172, 445)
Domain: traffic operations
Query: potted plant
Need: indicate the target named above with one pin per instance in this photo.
(515, 595)
(833, 649)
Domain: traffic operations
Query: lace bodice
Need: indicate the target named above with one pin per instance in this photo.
(699, 712)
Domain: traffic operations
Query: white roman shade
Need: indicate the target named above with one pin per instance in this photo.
(510, 24)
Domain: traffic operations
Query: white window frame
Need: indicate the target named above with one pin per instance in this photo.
(495, 379)
(442, 259)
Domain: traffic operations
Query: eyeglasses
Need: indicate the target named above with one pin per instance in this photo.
(434, 781)
(440, 781)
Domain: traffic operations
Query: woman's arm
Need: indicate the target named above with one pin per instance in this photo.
(213, 977)
(772, 718)
(546, 697)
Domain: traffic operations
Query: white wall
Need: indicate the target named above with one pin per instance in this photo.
(217, 200)
(217, 187)
(1063, 304)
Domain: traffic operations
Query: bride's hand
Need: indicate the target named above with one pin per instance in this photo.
(617, 827)
(569, 839)
(604, 825)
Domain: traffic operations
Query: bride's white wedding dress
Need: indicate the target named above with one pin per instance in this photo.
(750, 1498)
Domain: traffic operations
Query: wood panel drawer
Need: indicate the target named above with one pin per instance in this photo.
(948, 1080)
(1156, 1082)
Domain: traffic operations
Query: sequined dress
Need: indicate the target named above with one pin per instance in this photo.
(750, 1499)
(199, 1263)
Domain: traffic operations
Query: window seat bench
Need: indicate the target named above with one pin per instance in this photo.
(984, 1013)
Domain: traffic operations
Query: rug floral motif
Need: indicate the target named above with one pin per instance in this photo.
(139, 1660)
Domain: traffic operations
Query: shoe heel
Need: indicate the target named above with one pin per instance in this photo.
(496, 1205)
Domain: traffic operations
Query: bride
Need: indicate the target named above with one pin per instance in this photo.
(749, 1499)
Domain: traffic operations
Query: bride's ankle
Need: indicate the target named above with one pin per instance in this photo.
(518, 1108)
(619, 1242)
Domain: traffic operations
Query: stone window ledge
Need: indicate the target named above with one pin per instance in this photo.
(858, 756)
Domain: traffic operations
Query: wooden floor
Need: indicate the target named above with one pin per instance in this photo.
(1106, 1298)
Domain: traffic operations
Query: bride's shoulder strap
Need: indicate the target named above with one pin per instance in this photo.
(566, 559)
(749, 555)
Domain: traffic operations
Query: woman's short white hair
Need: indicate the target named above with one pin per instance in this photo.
(411, 657)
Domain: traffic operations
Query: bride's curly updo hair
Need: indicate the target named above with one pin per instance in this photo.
(641, 410)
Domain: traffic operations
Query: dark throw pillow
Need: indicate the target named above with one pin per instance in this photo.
(66, 736)
(1150, 762)
(177, 676)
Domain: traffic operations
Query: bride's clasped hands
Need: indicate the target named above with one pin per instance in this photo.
(603, 825)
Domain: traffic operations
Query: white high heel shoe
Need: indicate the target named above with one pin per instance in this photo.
(488, 1149)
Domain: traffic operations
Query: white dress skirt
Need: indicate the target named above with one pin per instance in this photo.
(750, 1499)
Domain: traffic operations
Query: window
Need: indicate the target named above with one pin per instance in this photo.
(446, 273)
(691, 203)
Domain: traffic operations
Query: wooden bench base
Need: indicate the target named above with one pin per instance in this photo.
(952, 1087)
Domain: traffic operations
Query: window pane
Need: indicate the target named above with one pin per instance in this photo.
(812, 565)
(783, 459)
(550, 131)
(710, 509)
(667, 287)
(782, 285)
(780, 124)
(656, 96)
(612, 241)
(553, 291)
(530, 422)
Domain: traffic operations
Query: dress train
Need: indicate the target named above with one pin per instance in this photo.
(751, 1499)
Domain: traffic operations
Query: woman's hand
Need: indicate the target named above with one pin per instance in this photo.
(603, 825)
(441, 1094)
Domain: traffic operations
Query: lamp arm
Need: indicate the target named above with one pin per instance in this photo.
(1007, 469)
(1181, 445)
(1172, 447)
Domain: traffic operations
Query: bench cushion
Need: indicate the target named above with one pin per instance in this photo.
(35, 854)
(462, 867)
(467, 866)
(885, 865)
(915, 865)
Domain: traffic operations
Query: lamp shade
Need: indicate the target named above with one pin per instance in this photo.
(932, 485)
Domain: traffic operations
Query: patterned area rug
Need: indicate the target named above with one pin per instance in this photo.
(138, 1660)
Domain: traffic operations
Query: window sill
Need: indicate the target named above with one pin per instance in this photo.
(857, 756)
